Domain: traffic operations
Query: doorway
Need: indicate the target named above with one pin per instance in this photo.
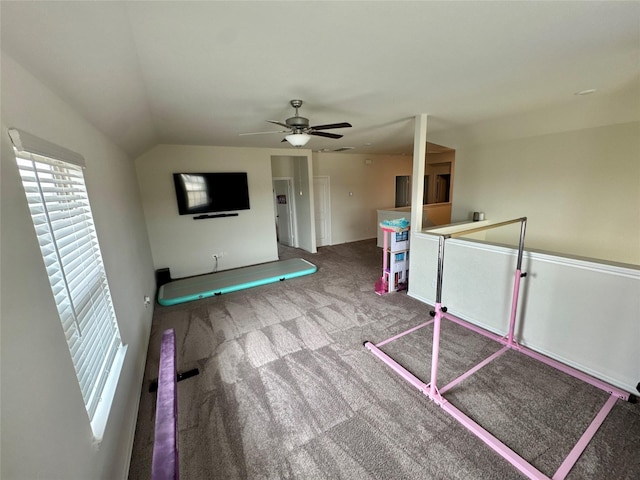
(283, 198)
(403, 191)
(297, 170)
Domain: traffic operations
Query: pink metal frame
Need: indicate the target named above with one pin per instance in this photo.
(435, 394)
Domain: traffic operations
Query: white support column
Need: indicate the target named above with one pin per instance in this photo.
(419, 162)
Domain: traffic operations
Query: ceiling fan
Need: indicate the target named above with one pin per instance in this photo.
(298, 128)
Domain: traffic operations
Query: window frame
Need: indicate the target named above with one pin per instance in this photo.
(53, 181)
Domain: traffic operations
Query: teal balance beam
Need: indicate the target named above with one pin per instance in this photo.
(227, 281)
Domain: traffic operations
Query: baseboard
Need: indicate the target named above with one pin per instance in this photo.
(132, 433)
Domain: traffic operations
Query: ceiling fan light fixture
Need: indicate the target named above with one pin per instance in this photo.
(298, 139)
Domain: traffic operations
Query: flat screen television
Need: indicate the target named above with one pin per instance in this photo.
(211, 192)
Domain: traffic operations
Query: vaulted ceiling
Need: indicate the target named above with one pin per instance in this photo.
(148, 72)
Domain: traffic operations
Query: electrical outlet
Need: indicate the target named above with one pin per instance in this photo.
(147, 301)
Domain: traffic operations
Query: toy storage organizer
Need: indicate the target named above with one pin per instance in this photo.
(395, 258)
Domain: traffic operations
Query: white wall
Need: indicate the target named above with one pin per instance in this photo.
(282, 166)
(185, 245)
(45, 428)
(580, 190)
(573, 169)
(372, 187)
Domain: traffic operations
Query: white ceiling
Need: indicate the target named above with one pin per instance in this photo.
(203, 72)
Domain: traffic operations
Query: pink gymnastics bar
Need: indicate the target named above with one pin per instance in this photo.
(591, 430)
(563, 367)
(480, 432)
(473, 370)
(431, 389)
(399, 369)
(411, 330)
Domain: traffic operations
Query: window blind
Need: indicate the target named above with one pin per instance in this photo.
(61, 214)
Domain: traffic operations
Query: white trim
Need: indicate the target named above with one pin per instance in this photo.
(26, 142)
(591, 264)
(101, 415)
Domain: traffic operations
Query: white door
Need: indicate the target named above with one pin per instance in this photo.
(282, 190)
(322, 209)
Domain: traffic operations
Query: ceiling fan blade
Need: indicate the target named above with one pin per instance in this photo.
(262, 133)
(279, 123)
(331, 125)
(326, 134)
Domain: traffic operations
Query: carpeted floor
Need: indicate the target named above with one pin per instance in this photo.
(287, 391)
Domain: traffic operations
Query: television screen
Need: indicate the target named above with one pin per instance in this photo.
(211, 192)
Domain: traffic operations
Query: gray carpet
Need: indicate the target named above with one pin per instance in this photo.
(287, 391)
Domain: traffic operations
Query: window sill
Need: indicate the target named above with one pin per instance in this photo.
(99, 421)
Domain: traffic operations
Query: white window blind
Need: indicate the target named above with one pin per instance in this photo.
(61, 214)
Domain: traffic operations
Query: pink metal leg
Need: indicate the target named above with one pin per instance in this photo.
(435, 353)
(391, 339)
(385, 246)
(486, 361)
(396, 367)
(496, 445)
(473, 328)
(621, 394)
(591, 430)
